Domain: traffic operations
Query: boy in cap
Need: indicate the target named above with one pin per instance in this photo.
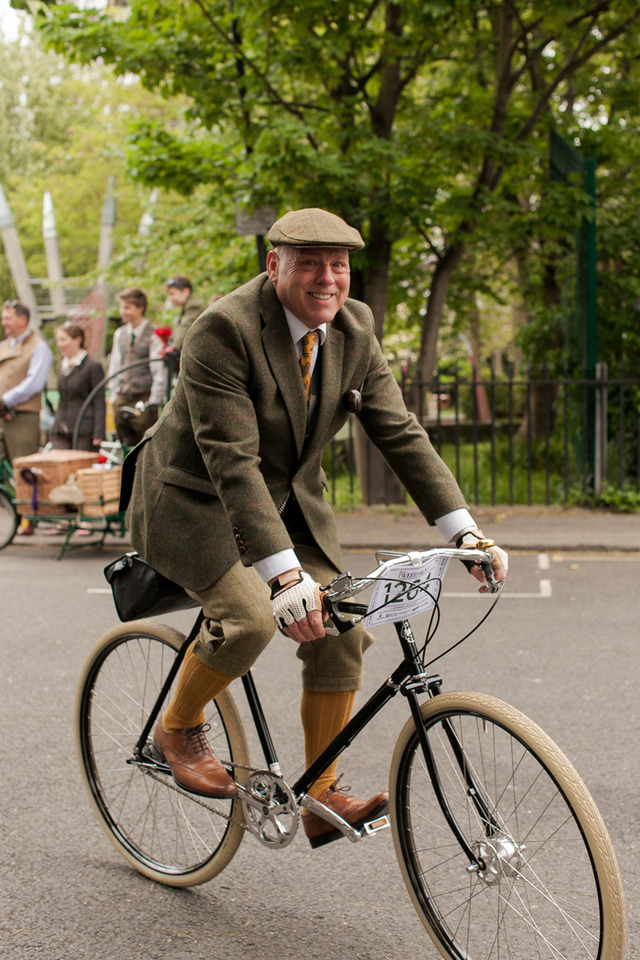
(228, 498)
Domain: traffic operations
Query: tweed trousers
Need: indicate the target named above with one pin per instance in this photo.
(240, 624)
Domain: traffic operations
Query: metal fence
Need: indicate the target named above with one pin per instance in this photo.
(537, 439)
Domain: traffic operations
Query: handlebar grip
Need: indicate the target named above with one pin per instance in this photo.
(485, 566)
(333, 608)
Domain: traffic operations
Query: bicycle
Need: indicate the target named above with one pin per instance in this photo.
(502, 849)
(8, 514)
(61, 521)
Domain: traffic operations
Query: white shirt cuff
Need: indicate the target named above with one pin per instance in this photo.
(277, 563)
(452, 523)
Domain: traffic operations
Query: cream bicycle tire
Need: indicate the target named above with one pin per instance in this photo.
(551, 884)
(166, 833)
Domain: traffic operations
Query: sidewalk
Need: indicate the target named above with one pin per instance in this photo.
(535, 528)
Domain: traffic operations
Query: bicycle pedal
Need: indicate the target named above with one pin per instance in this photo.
(374, 826)
(151, 758)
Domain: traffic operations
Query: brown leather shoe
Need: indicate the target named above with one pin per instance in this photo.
(355, 812)
(192, 762)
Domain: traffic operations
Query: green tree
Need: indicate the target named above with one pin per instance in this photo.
(65, 128)
(426, 124)
(410, 118)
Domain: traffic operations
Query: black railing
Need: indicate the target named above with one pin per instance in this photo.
(518, 440)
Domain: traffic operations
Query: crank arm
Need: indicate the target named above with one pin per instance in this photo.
(260, 803)
(351, 833)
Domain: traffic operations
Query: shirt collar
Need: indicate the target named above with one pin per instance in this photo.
(136, 331)
(14, 340)
(298, 329)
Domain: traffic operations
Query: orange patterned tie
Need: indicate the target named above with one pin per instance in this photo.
(308, 343)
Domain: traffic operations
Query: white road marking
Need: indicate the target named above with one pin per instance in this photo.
(543, 594)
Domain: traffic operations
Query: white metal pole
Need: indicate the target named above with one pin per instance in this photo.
(17, 264)
(52, 253)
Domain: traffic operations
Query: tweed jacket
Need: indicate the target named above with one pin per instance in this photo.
(74, 388)
(208, 479)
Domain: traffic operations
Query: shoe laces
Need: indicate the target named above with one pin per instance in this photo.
(196, 736)
(337, 788)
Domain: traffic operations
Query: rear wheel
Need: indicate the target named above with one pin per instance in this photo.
(168, 834)
(8, 518)
(545, 881)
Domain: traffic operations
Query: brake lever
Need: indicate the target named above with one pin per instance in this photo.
(493, 584)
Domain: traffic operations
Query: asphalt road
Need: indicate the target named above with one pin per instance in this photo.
(560, 645)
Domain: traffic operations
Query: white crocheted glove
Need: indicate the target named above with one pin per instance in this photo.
(470, 541)
(295, 601)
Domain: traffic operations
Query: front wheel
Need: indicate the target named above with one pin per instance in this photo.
(544, 881)
(168, 834)
(8, 518)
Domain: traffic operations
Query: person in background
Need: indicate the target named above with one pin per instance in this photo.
(180, 294)
(25, 362)
(138, 392)
(78, 376)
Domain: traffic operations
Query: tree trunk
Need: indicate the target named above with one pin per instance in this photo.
(426, 364)
(539, 417)
(376, 280)
(378, 483)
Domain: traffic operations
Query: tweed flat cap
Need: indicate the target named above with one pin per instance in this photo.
(313, 227)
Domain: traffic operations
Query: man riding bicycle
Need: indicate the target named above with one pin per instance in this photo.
(226, 492)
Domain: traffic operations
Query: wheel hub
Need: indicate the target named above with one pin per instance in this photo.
(497, 858)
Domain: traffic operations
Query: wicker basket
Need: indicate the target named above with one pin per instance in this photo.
(96, 484)
(50, 470)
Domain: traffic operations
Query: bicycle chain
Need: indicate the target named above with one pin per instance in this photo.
(168, 782)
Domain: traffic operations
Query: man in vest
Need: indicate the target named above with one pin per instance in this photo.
(138, 391)
(180, 294)
(25, 362)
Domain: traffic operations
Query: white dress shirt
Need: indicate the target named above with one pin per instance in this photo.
(122, 339)
(37, 373)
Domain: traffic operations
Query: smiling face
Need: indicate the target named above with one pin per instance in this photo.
(130, 312)
(14, 324)
(311, 282)
(176, 296)
(67, 345)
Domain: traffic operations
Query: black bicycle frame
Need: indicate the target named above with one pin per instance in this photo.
(408, 678)
(173, 672)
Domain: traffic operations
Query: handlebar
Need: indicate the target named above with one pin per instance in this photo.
(344, 587)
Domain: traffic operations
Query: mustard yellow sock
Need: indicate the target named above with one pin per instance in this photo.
(323, 716)
(197, 685)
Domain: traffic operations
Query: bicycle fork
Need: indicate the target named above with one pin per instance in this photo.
(420, 683)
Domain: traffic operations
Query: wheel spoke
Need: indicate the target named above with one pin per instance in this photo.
(165, 832)
(546, 868)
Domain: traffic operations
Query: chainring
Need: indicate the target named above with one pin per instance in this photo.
(270, 809)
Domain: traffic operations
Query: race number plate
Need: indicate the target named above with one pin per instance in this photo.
(407, 591)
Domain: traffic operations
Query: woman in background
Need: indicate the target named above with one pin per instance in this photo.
(78, 375)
